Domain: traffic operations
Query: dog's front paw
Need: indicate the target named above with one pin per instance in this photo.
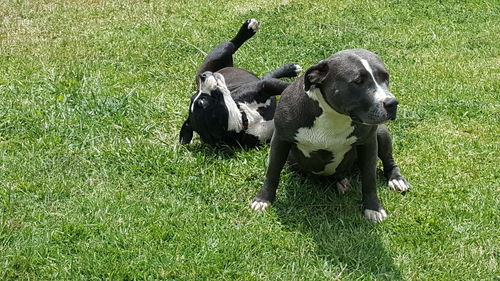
(259, 204)
(290, 70)
(399, 183)
(297, 69)
(252, 24)
(375, 216)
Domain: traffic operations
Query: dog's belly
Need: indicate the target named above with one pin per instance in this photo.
(324, 162)
(263, 130)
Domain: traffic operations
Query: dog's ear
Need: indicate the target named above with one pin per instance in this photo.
(315, 74)
(186, 134)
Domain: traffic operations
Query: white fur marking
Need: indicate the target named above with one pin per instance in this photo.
(375, 216)
(380, 94)
(391, 185)
(398, 185)
(210, 84)
(234, 122)
(403, 185)
(257, 126)
(298, 69)
(259, 206)
(330, 131)
(206, 87)
(253, 24)
(197, 96)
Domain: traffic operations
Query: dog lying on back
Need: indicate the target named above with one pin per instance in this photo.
(232, 106)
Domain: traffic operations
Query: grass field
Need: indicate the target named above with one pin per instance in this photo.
(94, 186)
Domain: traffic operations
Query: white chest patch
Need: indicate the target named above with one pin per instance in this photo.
(234, 122)
(330, 131)
(257, 126)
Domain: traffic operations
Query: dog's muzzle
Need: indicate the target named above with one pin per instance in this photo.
(391, 106)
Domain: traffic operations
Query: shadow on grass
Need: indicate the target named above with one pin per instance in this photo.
(218, 152)
(343, 237)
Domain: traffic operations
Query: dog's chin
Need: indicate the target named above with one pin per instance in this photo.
(374, 116)
(371, 121)
(356, 119)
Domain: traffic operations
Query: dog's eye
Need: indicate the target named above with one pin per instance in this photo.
(384, 76)
(358, 80)
(202, 103)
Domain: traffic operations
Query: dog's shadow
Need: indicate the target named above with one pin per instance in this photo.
(218, 152)
(312, 206)
(343, 237)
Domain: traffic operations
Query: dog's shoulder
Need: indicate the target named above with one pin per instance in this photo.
(295, 110)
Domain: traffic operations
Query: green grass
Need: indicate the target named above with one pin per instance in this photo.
(94, 186)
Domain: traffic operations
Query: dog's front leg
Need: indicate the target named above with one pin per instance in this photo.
(367, 159)
(277, 158)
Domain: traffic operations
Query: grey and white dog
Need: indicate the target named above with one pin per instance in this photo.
(330, 122)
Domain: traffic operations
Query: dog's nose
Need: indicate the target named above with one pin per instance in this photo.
(205, 75)
(391, 104)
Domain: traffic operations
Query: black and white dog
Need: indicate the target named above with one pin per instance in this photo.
(233, 106)
(330, 122)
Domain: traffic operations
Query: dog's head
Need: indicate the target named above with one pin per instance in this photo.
(354, 83)
(208, 114)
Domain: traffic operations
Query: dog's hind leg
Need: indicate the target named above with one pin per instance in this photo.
(222, 55)
(287, 70)
(247, 30)
(391, 170)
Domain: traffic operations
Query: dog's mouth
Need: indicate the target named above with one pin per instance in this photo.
(372, 119)
(211, 81)
(208, 83)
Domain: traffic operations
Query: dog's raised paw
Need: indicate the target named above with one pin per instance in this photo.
(375, 216)
(290, 70)
(259, 204)
(253, 24)
(297, 69)
(399, 184)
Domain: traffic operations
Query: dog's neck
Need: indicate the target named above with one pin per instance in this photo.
(315, 94)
